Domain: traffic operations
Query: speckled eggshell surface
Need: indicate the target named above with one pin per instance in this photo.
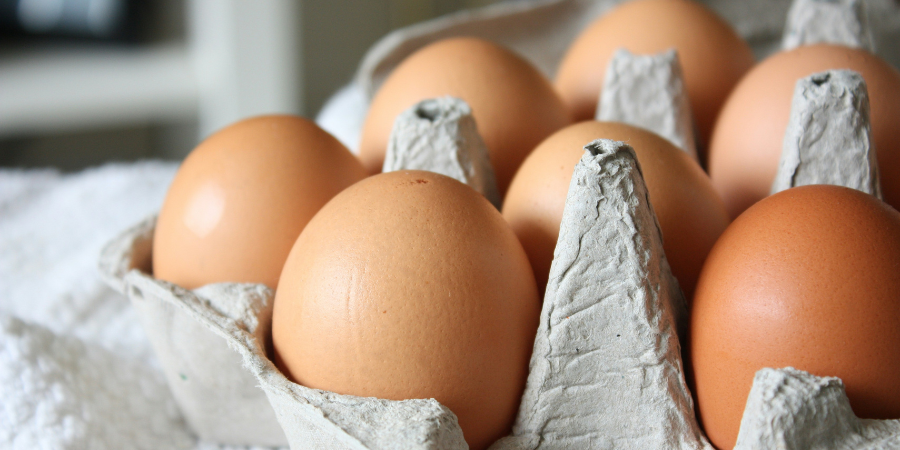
(241, 198)
(514, 105)
(411, 285)
(712, 55)
(689, 211)
(747, 141)
(805, 278)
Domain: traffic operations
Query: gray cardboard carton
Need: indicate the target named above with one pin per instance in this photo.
(212, 345)
(648, 91)
(440, 135)
(219, 399)
(792, 409)
(842, 22)
(606, 370)
(828, 138)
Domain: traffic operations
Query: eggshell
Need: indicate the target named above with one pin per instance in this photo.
(514, 105)
(689, 211)
(241, 198)
(747, 141)
(712, 55)
(411, 285)
(805, 278)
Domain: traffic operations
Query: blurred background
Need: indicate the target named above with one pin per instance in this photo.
(83, 82)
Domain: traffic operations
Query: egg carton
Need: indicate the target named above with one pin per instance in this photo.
(312, 418)
(440, 135)
(842, 22)
(648, 91)
(829, 139)
(217, 396)
(606, 370)
(582, 391)
(609, 276)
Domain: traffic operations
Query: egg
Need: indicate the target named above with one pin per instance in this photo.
(514, 105)
(805, 278)
(713, 57)
(241, 198)
(689, 211)
(747, 141)
(411, 285)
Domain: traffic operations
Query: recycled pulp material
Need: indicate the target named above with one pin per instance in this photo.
(647, 91)
(841, 22)
(828, 138)
(440, 135)
(219, 399)
(606, 369)
(204, 337)
(792, 409)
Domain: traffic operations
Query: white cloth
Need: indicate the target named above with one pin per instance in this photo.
(76, 370)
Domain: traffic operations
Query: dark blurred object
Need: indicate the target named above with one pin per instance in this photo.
(105, 20)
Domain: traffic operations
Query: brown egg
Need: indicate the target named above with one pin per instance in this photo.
(746, 144)
(805, 278)
(713, 57)
(514, 105)
(411, 285)
(241, 198)
(689, 211)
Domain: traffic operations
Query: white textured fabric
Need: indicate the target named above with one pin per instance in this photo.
(52, 228)
(60, 393)
(343, 115)
(76, 369)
